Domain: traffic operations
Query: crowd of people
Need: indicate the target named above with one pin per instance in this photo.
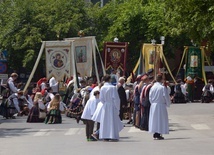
(143, 103)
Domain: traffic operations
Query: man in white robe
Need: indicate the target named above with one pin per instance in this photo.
(110, 124)
(158, 117)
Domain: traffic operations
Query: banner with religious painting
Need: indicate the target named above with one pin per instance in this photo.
(58, 59)
(194, 62)
(115, 54)
(152, 56)
(83, 54)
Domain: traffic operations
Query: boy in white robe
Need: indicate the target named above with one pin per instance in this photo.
(88, 112)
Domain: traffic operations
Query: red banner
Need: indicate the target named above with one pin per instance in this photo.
(115, 56)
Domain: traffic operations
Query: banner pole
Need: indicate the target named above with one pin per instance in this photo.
(95, 62)
(35, 66)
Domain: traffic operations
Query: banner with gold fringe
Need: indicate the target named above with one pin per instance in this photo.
(152, 56)
(58, 59)
(115, 55)
(194, 62)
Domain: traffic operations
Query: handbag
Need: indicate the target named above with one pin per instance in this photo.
(42, 114)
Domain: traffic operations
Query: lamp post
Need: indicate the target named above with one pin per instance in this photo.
(162, 38)
(153, 41)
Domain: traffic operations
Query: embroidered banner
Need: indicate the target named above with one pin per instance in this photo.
(115, 56)
(152, 57)
(83, 50)
(194, 62)
(58, 59)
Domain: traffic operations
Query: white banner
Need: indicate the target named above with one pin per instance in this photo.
(83, 48)
(58, 55)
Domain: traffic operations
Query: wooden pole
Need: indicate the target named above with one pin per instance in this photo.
(35, 66)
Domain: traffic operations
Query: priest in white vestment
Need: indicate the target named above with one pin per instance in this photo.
(110, 123)
(158, 117)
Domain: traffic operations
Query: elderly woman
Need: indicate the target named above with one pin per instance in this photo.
(37, 109)
(54, 114)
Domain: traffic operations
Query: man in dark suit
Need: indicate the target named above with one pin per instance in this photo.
(122, 95)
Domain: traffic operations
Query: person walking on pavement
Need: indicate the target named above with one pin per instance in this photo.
(158, 117)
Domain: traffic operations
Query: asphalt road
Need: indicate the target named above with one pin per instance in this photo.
(191, 133)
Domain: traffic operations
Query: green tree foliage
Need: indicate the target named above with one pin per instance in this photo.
(25, 23)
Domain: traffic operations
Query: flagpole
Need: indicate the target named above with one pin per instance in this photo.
(35, 66)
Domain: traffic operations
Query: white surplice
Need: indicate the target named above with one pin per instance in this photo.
(110, 123)
(158, 117)
(90, 108)
(97, 114)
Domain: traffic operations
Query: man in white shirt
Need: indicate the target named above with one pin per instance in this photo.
(54, 85)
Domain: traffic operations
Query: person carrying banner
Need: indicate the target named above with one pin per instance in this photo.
(190, 88)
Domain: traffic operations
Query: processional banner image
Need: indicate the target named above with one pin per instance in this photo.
(194, 62)
(83, 48)
(115, 55)
(58, 55)
(152, 56)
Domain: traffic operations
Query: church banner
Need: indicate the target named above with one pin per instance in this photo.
(115, 54)
(194, 62)
(83, 50)
(58, 59)
(152, 56)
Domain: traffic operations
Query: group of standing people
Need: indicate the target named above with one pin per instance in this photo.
(151, 99)
(106, 114)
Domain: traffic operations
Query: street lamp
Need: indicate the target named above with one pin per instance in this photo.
(162, 38)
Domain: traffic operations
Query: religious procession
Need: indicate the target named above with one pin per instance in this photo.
(104, 104)
(131, 81)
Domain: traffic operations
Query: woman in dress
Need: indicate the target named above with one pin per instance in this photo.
(54, 114)
(38, 106)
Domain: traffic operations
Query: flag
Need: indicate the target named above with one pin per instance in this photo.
(115, 54)
(194, 62)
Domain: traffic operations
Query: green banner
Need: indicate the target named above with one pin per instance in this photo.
(194, 62)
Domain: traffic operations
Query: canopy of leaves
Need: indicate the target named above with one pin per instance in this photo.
(24, 24)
